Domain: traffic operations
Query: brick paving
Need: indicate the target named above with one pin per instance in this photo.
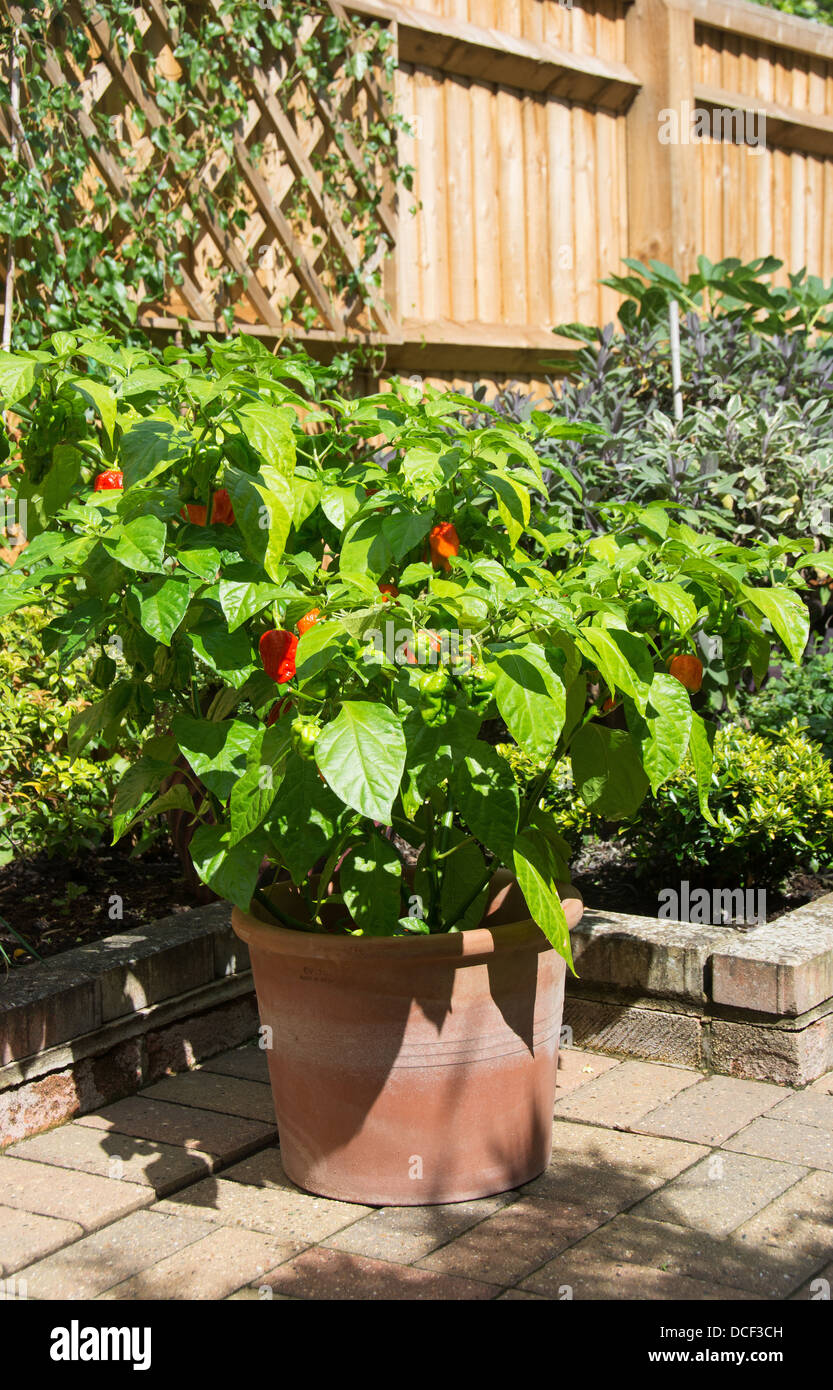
(664, 1184)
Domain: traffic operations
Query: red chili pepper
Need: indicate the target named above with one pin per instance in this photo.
(389, 590)
(110, 481)
(195, 512)
(277, 652)
(444, 542)
(222, 512)
(309, 620)
(279, 708)
(688, 670)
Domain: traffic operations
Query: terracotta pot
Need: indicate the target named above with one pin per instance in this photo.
(412, 1070)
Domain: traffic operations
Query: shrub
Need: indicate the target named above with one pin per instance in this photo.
(803, 693)
(206, 518)
(772, 803)
(47, 802)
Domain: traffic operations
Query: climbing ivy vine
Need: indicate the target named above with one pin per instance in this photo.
(86, 253)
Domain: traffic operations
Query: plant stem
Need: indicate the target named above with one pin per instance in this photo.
(284, 917)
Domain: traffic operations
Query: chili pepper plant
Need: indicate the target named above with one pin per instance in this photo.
(327, 612)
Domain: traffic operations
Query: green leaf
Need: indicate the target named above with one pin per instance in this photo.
(150, 448)
(362, 757)
(607, 771)
(140, 546)
(163, 604)
(701, 748)
(403, 531)
(217, 750)
(487, 796)
(531, 698)
(17, 377)
(241, 599)
(101, 397)
(141, 781)
(305, 817)
(62, 479)
(263, 510)
(665, 729)
(623, 660)
(253, 796)
(231, 871)
(370, 879)
(268, 429)
(317, 648)
(229, 654)
(673, 600)
(536, 868)
(787, 613)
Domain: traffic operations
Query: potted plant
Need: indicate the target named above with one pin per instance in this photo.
(328, 613)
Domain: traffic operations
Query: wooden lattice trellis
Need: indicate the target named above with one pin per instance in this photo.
(303, 261)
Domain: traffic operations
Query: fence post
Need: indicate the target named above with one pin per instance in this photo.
(662, 158)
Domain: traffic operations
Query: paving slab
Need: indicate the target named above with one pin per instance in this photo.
(112, 1255)
(407, 1233)
(247, 1062)
(819, 1288)
(210, 1268)
(333, 1274)
(720, 1192)
(787, 1141)
(621, 1097)
(608, 1169)
(228, 1095)
(739, 1261)
(579, 1276)
(509, 1245)
(72, 1196)
(297, 1217)
(119, 1156)
(577, 1068)
(224, 1136)
(25, 1236)
(823, 1084)
(806, 1108)
(710, 1111)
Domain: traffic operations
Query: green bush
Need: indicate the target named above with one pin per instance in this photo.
(47, 802)
(772, 802)
(771, 799)
(804, 693)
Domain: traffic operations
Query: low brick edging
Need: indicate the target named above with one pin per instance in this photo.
(102, 1021)
(98, 1023)
(754, 1003)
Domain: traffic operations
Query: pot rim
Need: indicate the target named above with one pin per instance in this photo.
(477, 942)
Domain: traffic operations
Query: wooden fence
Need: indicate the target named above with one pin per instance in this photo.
(548, 141)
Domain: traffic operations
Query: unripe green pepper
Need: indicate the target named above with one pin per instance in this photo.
(103, 671)
(304, 736)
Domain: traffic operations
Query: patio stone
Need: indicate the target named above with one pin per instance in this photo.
(720, 1192)
(581, 1275)
(333, 1274)
(806, 1108)
(247, 1062)
(515, 1241)
(87, 1268)
(407, 1233)
(62, 1192)
(24, 1237)
(208, 1268)
(621, 1097)
(608, 1169)
(222, 1136)
(159, 1166)
(297, 1217)
(818, 1288)
(229, 1095)
(710, 1111)
(577, 1068)
(786, 1141)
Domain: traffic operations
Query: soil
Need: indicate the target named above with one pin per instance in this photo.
(57, 903)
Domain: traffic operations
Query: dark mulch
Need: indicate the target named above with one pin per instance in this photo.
(604, 875)
(57, 903)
